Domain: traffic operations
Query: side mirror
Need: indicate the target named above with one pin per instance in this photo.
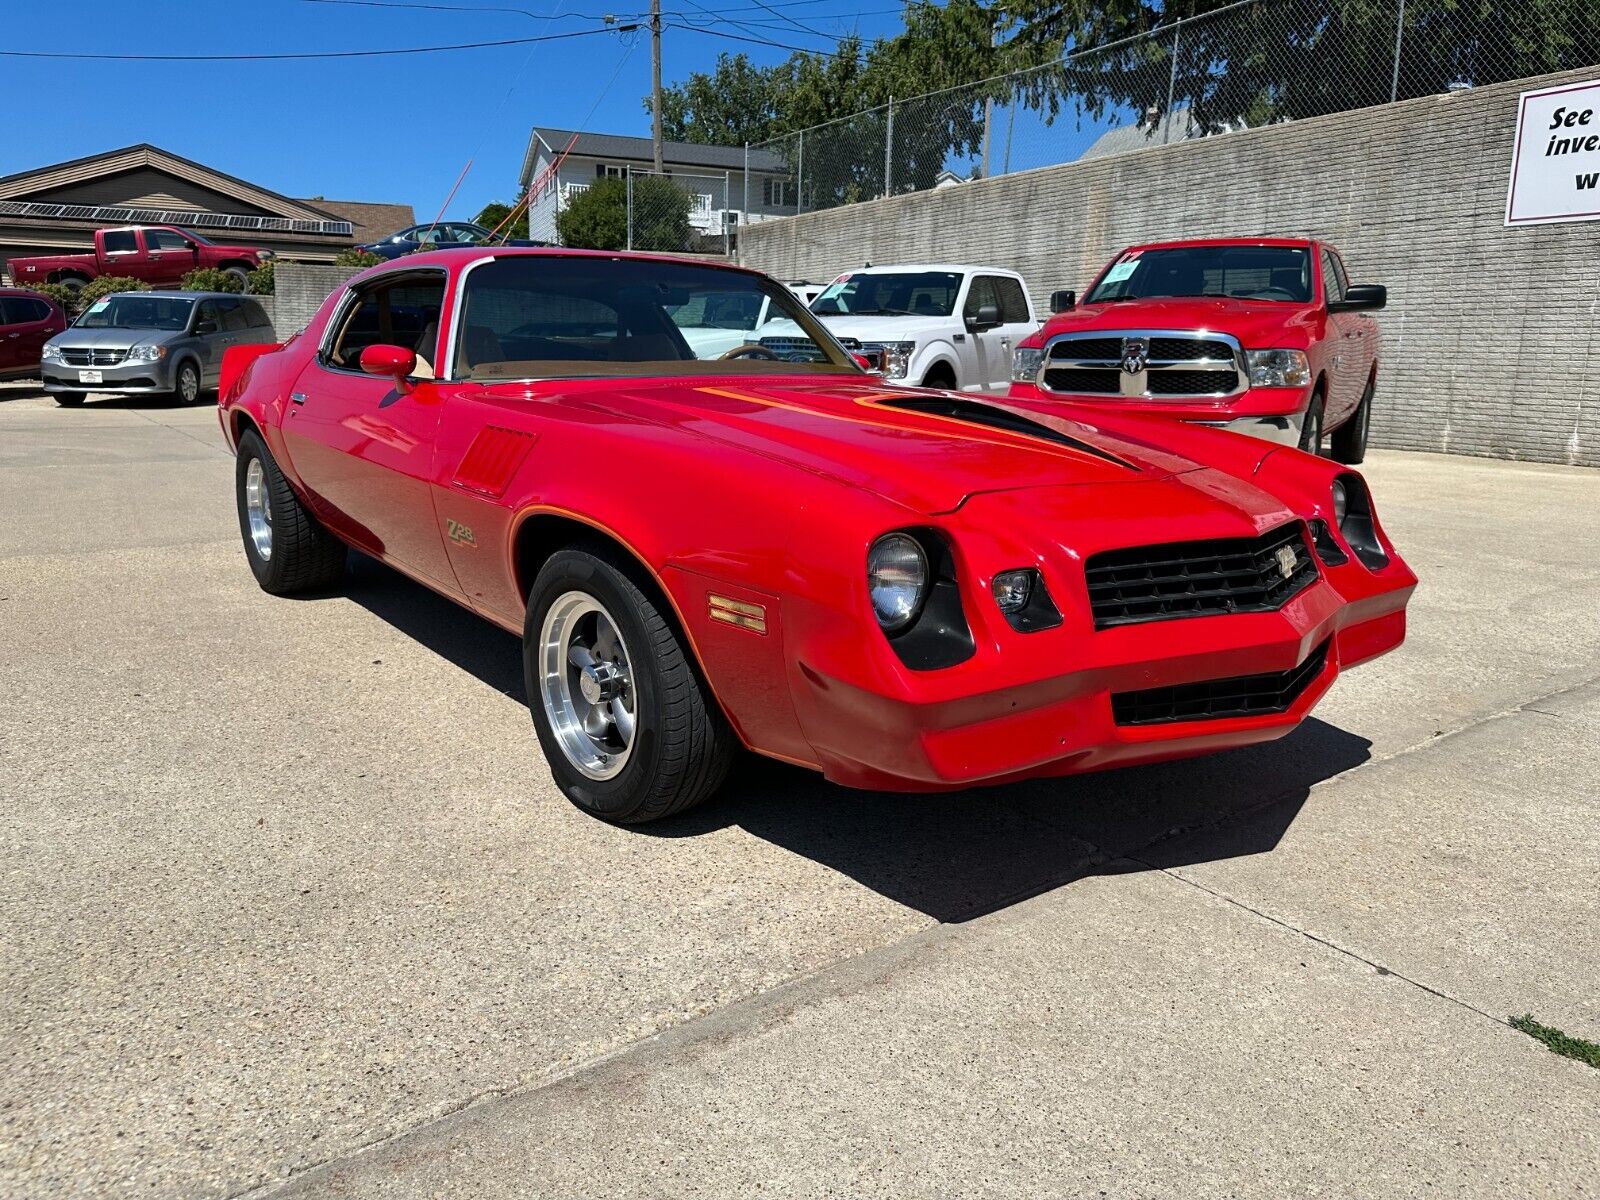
(396, 362)
(205, 327)
(987, 317)
(867, 365)
(1063, 301)
(1361, 297)
(194, 248)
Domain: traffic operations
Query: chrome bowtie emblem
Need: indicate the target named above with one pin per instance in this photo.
(1135, 355)
(1287, 559)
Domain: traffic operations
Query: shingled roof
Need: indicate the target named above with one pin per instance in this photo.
(640, 150)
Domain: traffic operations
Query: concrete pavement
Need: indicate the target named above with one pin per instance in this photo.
(288, 904)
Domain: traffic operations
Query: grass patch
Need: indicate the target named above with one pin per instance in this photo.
(1557, 1042)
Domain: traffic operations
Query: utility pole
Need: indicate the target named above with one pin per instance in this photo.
(655, 80)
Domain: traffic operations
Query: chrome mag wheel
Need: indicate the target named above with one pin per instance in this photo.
(586, 685)
(188, 384)
(258, 509)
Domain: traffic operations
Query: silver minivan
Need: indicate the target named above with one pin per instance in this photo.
(134, 343)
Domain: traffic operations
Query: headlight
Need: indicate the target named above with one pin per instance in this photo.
(1341, 503)
(1025, 364)
(266, 255)
(896, 357)
(1278, 368)
(147, 353)
(897, 577)
(52, 353)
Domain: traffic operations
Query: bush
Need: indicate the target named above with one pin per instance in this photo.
(60, 293)
(211, 279)
(598, 218)
(356, 258)
(106, 285)
(263, 280)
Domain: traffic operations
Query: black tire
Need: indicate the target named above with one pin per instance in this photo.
(73, 283)
(1311, 427)
(939, 376)
(1350, 439)
(302, 556)
(682, 745)
(239, 273)
(186, 382)
(69, 399)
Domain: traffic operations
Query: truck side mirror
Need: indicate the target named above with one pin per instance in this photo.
(987, 317)
(1361, 297)
(1063, 300)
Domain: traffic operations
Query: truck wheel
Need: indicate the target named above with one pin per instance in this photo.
(187, 385)
(939, 376)
(288, 549)
(1350, 439)
(73, 283)
(1311, 427)
(69, 399)
(628, 728)
(239, 273)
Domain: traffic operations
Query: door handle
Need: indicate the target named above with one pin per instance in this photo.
(297, 397)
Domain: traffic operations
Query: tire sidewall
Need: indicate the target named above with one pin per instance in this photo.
(177, 382)
(1315, 410)
(617, 798)
(251, 448)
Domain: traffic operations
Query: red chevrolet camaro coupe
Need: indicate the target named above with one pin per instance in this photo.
(710, 536)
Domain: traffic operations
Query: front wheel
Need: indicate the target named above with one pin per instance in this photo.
(1311, 425)
(288, 549)
(628, 727)
(187, 384)
(239, 273)
(1350, 439)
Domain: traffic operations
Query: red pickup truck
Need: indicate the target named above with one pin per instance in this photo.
(1266, 336)
(161, 255)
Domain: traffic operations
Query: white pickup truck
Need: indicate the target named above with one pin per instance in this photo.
(938, 325)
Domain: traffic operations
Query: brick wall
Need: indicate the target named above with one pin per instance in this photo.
(300, 289)
(1491, 337)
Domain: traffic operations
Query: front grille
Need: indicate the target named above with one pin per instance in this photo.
(97, 357)
(1194, 383)
(1215, 699)
(795, 349)
(1107, 348)
(1162, 348)
(1199, 579)
(1098, 380)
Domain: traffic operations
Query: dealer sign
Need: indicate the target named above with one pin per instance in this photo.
(1555, 161)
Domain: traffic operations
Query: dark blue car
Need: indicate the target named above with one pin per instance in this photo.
(440, 236)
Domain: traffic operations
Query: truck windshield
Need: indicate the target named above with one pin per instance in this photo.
(195, 237)
(908, 294)
(1279, 273)
(136, 310)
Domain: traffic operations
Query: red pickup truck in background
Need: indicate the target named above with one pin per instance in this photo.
(160, 255)
(1266, 336)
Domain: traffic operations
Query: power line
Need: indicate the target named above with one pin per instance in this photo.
(553, 37)
(760, 41)
(470, 8)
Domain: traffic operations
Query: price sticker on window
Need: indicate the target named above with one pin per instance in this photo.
(1121, 270)
(100, 305)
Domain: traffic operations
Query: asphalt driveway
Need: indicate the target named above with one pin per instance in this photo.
(289, 905)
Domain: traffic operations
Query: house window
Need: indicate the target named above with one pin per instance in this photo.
(608, 171)
(777, 193)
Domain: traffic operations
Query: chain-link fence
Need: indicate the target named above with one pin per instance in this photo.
(1253, 63)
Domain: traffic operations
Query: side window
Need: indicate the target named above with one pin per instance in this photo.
(164, 239)
(255, 316)
(1013, 304)
(22, 310)
(1344, 279)
(234, 318)
(401, 310)
(982, 292)
(121, 241)
(10, 312)
(1332, 280)
(208, 312)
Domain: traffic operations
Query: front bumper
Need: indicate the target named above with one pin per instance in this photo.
(124, 379)
(1273, 414)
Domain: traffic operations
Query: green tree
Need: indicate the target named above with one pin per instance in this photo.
(597, 219)
(492, 214)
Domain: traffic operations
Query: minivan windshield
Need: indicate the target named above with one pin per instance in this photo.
(137, 310)
(1279, 273)
(567, 316)
(890, 294)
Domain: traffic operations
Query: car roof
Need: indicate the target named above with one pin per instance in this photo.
(897, 268)
(460, 255)
(1297, 243)
(167, 294)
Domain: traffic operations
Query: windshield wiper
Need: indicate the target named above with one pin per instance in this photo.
(880, 312)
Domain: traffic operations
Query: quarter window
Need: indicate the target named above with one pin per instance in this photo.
(255, 315)
(234, 318)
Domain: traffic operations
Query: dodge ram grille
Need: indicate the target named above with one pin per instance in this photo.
(1199, 579)
(1212, 699)
(1145, 364)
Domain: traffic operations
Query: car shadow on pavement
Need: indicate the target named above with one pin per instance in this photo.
(953, 856)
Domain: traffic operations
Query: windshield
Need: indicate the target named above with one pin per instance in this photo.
(136, 310)
(907, 294)
(550, 316)
(195, 237)
(1280, 273)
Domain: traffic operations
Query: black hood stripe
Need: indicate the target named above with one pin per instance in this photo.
(992, 416)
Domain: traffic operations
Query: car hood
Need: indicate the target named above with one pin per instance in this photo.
(927, 449)
(1258, 324)
(112, 339)
(887, 329)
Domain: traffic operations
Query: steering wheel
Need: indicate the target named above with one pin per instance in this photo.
(750, 350)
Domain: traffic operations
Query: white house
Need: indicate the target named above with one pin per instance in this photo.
(714, 177)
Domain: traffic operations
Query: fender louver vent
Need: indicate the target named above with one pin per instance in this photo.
(492, 459)
(977, 413)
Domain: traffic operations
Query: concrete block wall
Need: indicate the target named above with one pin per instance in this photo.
(1491, 337)
(300, 289)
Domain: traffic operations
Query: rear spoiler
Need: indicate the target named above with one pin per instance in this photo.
(236, 361)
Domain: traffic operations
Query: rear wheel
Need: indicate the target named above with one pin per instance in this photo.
(73, 283)
(1350, 439)
(288, 549)
(1311, 425)
(628, 728)
(69, 399)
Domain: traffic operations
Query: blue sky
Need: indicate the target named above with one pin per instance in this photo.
(397, 130)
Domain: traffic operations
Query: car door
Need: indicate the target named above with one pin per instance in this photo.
(207, 340)
(26, 324)
(1344, 348)
(364, 447)
(1016, 323)
(991, 347)
(10, 335)
(1362, 333)
(171, 255)
(123, 255)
